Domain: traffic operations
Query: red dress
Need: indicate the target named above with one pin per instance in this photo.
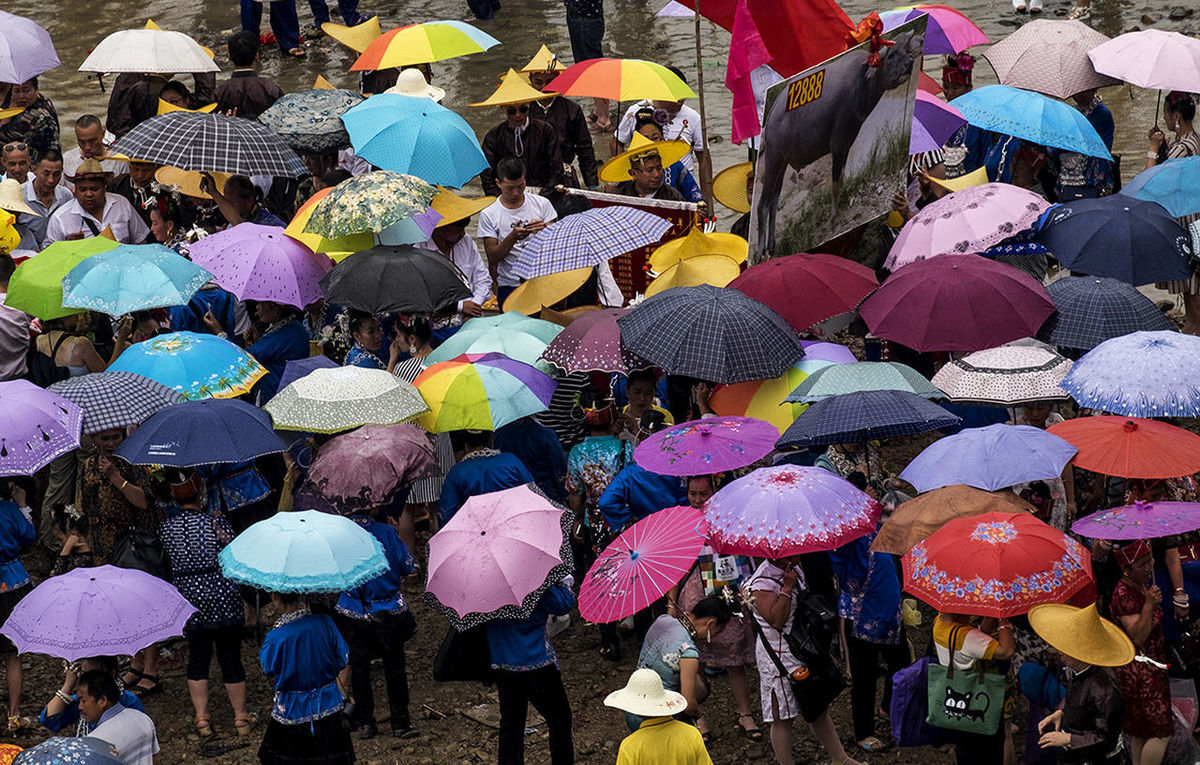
(1146, 688)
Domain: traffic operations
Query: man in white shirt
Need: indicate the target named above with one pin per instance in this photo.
(683, 124)
(93, 210)
(44, 194)
(450, 240)
(130, 732)
(15, 160)
(93, 142)
(509, 221)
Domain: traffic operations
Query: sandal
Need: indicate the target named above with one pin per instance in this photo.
(244, 724)
(142, 691)
(17, 723)
(871, 744)
(754, 734)
(297, 53)
(204, 727)
(611, 652)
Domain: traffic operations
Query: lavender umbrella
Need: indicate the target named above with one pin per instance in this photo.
(260, 263)
(1141, 520)
(710, 445)
(25, 49)
(35, 427)
(990, 458)
(815, 350)
(1142, 374)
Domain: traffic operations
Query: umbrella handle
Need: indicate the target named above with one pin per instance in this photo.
(100, 79)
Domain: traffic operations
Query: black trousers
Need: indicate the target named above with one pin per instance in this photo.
(228, 644)
(864, 672)
(977, 749)
(368, 638)
(543, 688)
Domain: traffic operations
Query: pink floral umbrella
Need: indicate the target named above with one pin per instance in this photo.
(710, 445)
(260, 263)
(592, 343)
(1141, 520)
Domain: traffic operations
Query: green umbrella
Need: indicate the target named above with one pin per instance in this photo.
(513, 334)
(36, 286)
(840, 379)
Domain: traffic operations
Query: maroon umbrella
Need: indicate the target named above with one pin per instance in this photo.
(807, 289)
(956, 303)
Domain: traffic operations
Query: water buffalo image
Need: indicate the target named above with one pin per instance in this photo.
(822, 113)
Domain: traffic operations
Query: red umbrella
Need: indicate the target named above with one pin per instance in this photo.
(1131, 447)
(830, 286)
(956, 303)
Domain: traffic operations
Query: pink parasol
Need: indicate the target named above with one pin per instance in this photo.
(1141, 520)
(592, 343)
(710, 445)
(361, 470)
(257, 262)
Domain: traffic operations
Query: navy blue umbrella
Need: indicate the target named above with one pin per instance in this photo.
(202, 432)
(865, 416)
(1092, 309)
(1128, 239)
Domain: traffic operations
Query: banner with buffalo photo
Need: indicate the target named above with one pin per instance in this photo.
(835, 144)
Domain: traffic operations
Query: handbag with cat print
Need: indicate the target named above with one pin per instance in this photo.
(970, 701)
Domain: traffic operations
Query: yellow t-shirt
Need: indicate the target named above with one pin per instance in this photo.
(663, 741)
(666, 415)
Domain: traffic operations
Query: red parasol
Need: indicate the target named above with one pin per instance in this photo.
(1131, 447)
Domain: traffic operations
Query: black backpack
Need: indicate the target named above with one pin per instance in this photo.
(43, 371)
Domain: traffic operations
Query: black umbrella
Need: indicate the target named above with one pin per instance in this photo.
(404, 278)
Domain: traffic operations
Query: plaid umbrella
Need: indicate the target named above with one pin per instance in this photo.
(115, 399)
(865, 416)
(1007, 375)
(587, 239)
(1093, 309)
(309, 120)
(210, 142)
(713, 333)
(370, 202)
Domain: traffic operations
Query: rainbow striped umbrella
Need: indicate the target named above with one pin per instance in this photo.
(621, 79)
(949, 30)
(481, 392)
(764, 399)
(423, 44)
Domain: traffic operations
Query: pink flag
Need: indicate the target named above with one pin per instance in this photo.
(747, 52)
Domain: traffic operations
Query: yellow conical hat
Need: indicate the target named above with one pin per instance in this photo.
(696, 244)
(165, 107)
(514, 89)
(543, 61)
(322, 84)
(616, 170)
(357, 37)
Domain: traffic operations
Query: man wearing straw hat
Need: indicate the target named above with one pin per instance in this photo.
(12, 200)
(641, 169)
(450, 240)
(92, 211)
(521, 137)
(564, 115)
(661, 739)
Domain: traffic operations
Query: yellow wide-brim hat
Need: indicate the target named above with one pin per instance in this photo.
(698, 243)
(616, 170)
(11, 112)
(151, 25)
(974, 178)
(454, 208)
(12, 198)
(357, 37)
(188, 181)
(514, 89)
(165, 107)
(729, 187)
(1082, 634)
(534, 295)
(543, 61)
(716, 270)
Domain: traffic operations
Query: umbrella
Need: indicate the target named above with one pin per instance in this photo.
(1141, 520)
(592, 343)
(148, 50)
(259, 263)
(1006, 376)
(966, 221)
(114, 399)
(132, 277)
(1131, 447)
(620, 79)
(817, 350)
(308, 120)
(385, 279)
(511, 334)
(36, 286)
(934, 121)
(1150, 58)
(26, 49)
(416, 136)
(587, 239)
(360, 471)
(1049, 57)
(1174, 184)
(776, 512)
(97, 611)
(1127, 239)
(1142, 374)
(948, 30)
(77, 750)
(338, 248)
(707, 446)
(303, 551)
(919, 517)
(205, 432)
(297, 368)
(990, 458)
(764, 399)
(865, 416)
(36, 426)
(422, 44)
(956, 303)
(497, 556)
(212, 143)
(642, 564)
(713, 333)
(192, 364)
(1093, 309)
(370, 203)
(1031, 117)
(830, 285)
(341, 398)
(481, 392)
(839, 379)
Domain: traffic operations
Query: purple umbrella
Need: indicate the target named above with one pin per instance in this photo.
(592, 343)
(934, 121)
(710, 445)
(361, 470)
(1141, 520)
(99, 611)
(25, 49)
(815, 350)
(298, 368)
(261, 263)
(35, 427)
(990, 458)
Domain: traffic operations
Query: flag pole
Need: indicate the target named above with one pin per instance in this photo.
(704, 165)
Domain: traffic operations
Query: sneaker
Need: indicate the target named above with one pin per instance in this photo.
(1035, 6)
(1018, 6)
(403, 731)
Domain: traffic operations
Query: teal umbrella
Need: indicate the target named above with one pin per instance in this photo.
(132, 277)
(1031, 117)
(840, 379)
(194, 365)
(512, 334)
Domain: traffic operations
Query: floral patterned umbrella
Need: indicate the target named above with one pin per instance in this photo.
(342, 398)
(309, 120)
(370, 202)
(1141, 520)
(710, 445)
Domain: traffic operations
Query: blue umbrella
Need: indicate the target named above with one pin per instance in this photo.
(298, 368)
(1092, 309)
(415, 136)
(865, 416)
(1142, 374)
(1127, 239)
(1175, 184)
(990, 458)
(1032, 117)
(77, 750)
(133, 277)
(202, 432)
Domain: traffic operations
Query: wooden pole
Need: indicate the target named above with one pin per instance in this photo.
(704, 163)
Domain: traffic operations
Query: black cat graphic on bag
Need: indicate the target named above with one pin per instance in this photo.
(957, 706)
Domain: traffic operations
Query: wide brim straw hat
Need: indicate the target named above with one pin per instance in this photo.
(645, 696)
(514, 89)
(454, 208)
(535, 294)
(616, 170)
(12, 198)
(410, 82)
(974, 178)
(357, 37)
(729, 187)
(717, 270)
(1082, 634)
(543, 61)
(91, 168)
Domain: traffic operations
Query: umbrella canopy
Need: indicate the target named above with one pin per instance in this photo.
(77, 750)
(1007, 376)
(194, 365)
(1142, 374)
(497, 556)
(990, 458)
(422, 44)
(385, 279)
(830, 285)
(1050, 57)
(204, 432)
(765, 399)
(587, 239)
(132, 277)
(817, 350)
(713, 333)
(1150, 58)
(1031, 117)
(1174, 184)
(620, 79)
(148, 50)
(341, 398)
(919, 517)
(1093, 309)
(303, 551)
(640, 566)
(36, 286)
(865, 416)
(26, 49)
(338, 248)
(361, 470)
(1141, 520)
(592, 343)
(98, 611)
(1130, 447)
(1127, 239)
(707, 446)
(966, 221)
(934, 121)
(36, 426)
(839, 379)
(259, 263)
(948, 30)
(308, 120)
(297, 368)
(115, 399)
(210, 142)
(370, 203)
(775, 512)
(512, 334)
(481, 392)
(415, 136)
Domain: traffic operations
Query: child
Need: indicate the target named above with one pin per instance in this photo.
(72, 526)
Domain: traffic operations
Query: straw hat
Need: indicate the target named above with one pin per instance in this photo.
(322, 84)
(454, 208)
(698, 243)
(729, 187)
(645, 696)
(975, 178)
(11, 112)
(151, 25)
(90, 168)
(410, 82)
(357, 37)
(12, 198)
(717, 270)
(535, 294)
(1082, 634)
(165, 107)
(543, 61)
(616, 170)
(514, 89)
(187, 182)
